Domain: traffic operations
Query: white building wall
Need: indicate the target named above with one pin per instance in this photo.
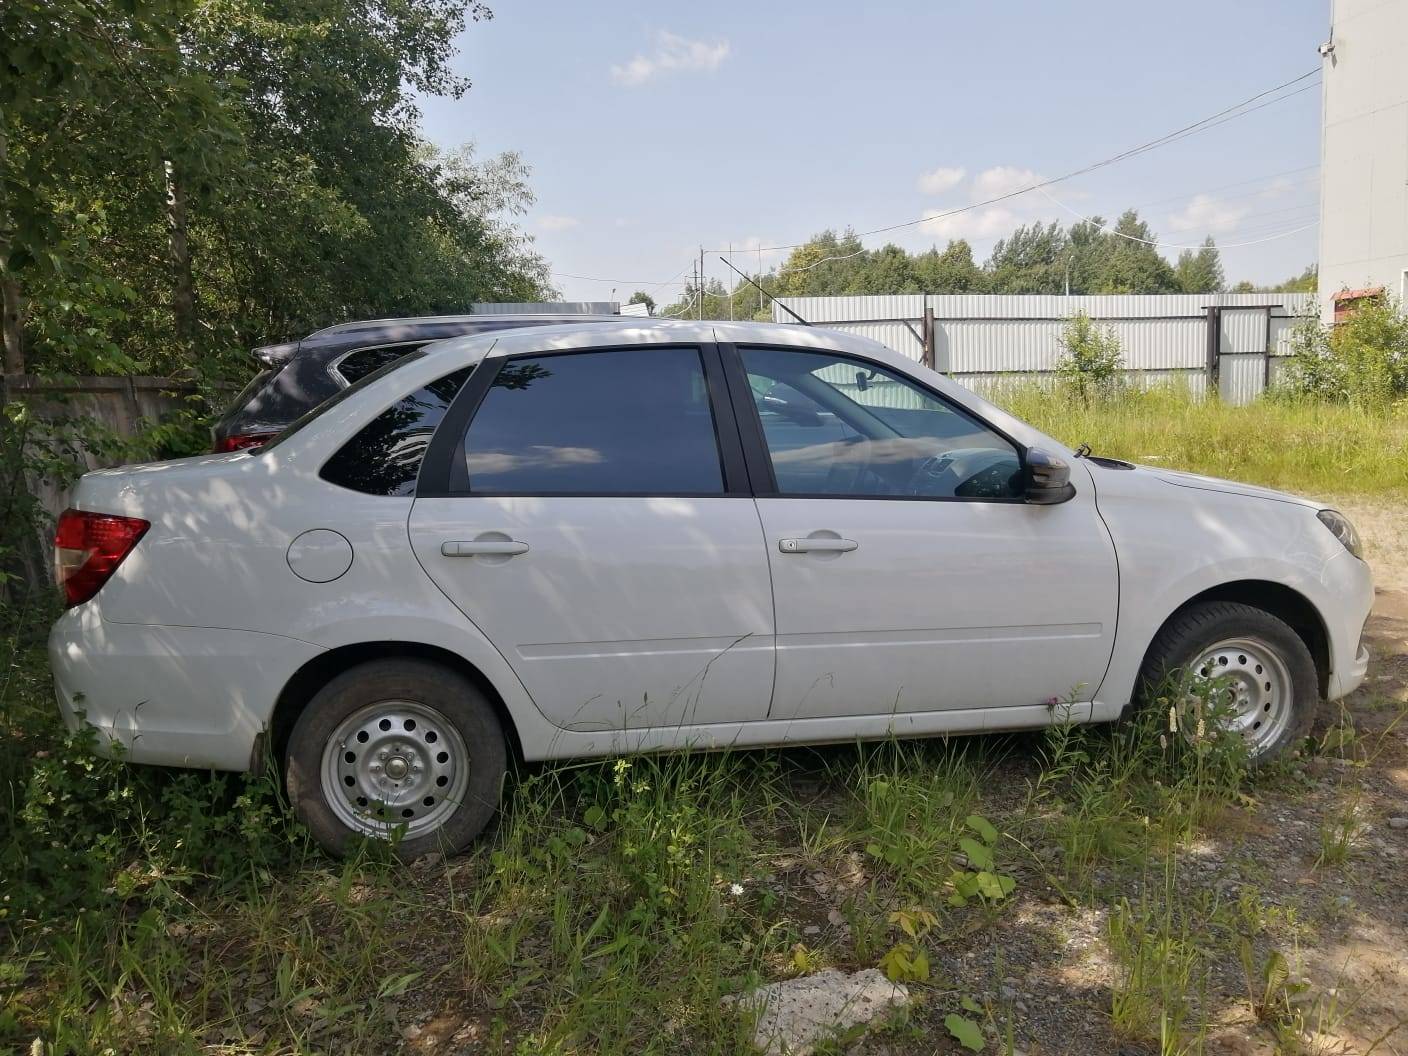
(1364, 150)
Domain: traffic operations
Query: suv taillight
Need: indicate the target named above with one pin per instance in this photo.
(241, 442)
(88, 547)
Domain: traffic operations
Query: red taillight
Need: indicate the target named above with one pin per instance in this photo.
(88, 547)
(241, 441)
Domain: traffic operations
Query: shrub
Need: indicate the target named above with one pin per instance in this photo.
(1090, 365)
(1362, 360)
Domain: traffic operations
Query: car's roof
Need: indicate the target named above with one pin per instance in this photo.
(505, 319)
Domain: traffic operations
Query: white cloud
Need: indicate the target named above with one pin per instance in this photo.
(673, 53)
(1206, 215)
(992, 221)
(941, 179)
(1000, 180)
(989, 221)
(557, 223)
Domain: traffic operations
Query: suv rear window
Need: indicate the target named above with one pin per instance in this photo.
(358, 363)
(384, 457)
(332, 401)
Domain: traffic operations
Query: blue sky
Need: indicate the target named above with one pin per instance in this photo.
(651, 128)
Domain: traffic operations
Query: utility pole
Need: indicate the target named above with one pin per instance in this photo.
(760, 280)
(701, 283)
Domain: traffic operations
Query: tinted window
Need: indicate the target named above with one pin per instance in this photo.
(633, 421)
(309, 417)
(837, 426)
(385, 456)
(357, 365)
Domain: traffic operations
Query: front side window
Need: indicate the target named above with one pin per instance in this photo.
(617, 422)
(384, 457)
(838, 426)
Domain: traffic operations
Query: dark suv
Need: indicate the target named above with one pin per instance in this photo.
(299, 375)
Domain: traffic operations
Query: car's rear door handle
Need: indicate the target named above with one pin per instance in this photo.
(471, 547)
(813, 544)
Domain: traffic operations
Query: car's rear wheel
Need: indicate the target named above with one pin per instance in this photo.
(1250, 666)
(398, 747)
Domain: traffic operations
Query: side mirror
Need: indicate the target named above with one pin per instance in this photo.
(1048, 478)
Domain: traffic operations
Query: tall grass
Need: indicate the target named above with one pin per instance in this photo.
(1312, 448)
(616, 902)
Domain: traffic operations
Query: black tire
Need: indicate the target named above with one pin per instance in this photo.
(421, 682)
(1184, 637)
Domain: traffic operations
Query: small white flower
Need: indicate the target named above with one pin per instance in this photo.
(735, 889)
(1173, 719)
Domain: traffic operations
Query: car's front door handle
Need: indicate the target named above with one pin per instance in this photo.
(813, 544)
(472, 547)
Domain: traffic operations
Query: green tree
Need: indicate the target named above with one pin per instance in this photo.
(1090, 360)
(184, 178)
(641, 297)
(1200, 271)
(952, 271)
(1361, 360)
(1030, 260)
(1130, 261)
(888, 269)
(826, 265)
(1308, 281)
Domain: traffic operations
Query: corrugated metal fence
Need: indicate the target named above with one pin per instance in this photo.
(1230, 342)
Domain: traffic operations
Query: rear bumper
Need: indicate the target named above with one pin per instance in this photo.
(175, 696)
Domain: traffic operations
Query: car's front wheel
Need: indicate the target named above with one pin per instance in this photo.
(1250, 666)
(396, 746)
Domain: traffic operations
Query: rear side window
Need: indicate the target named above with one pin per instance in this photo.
(385, 455)
(357, 364)
(618, 422)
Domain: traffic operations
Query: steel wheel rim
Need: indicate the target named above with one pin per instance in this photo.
(1250, 686)
(393, 763)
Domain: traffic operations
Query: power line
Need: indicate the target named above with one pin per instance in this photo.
(1272, 188)
(1106, 229)
(623, 282)
(1230, 113)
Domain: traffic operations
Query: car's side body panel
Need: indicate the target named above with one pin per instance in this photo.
(947, 605)
(175, 696)
(623, 612)
(1175, 542)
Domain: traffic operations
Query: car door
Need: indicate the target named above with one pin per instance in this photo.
(908, 573)
(597, 528)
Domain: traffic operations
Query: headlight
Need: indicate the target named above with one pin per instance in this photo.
(1339, 524)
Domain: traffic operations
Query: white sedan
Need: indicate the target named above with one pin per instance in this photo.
(583, 540)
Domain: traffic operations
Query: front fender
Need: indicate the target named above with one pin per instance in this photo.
(1175, 543)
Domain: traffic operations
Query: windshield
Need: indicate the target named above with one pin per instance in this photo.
(339, 396)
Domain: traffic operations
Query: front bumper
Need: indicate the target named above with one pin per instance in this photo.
(1346, 613)
(175, 696)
